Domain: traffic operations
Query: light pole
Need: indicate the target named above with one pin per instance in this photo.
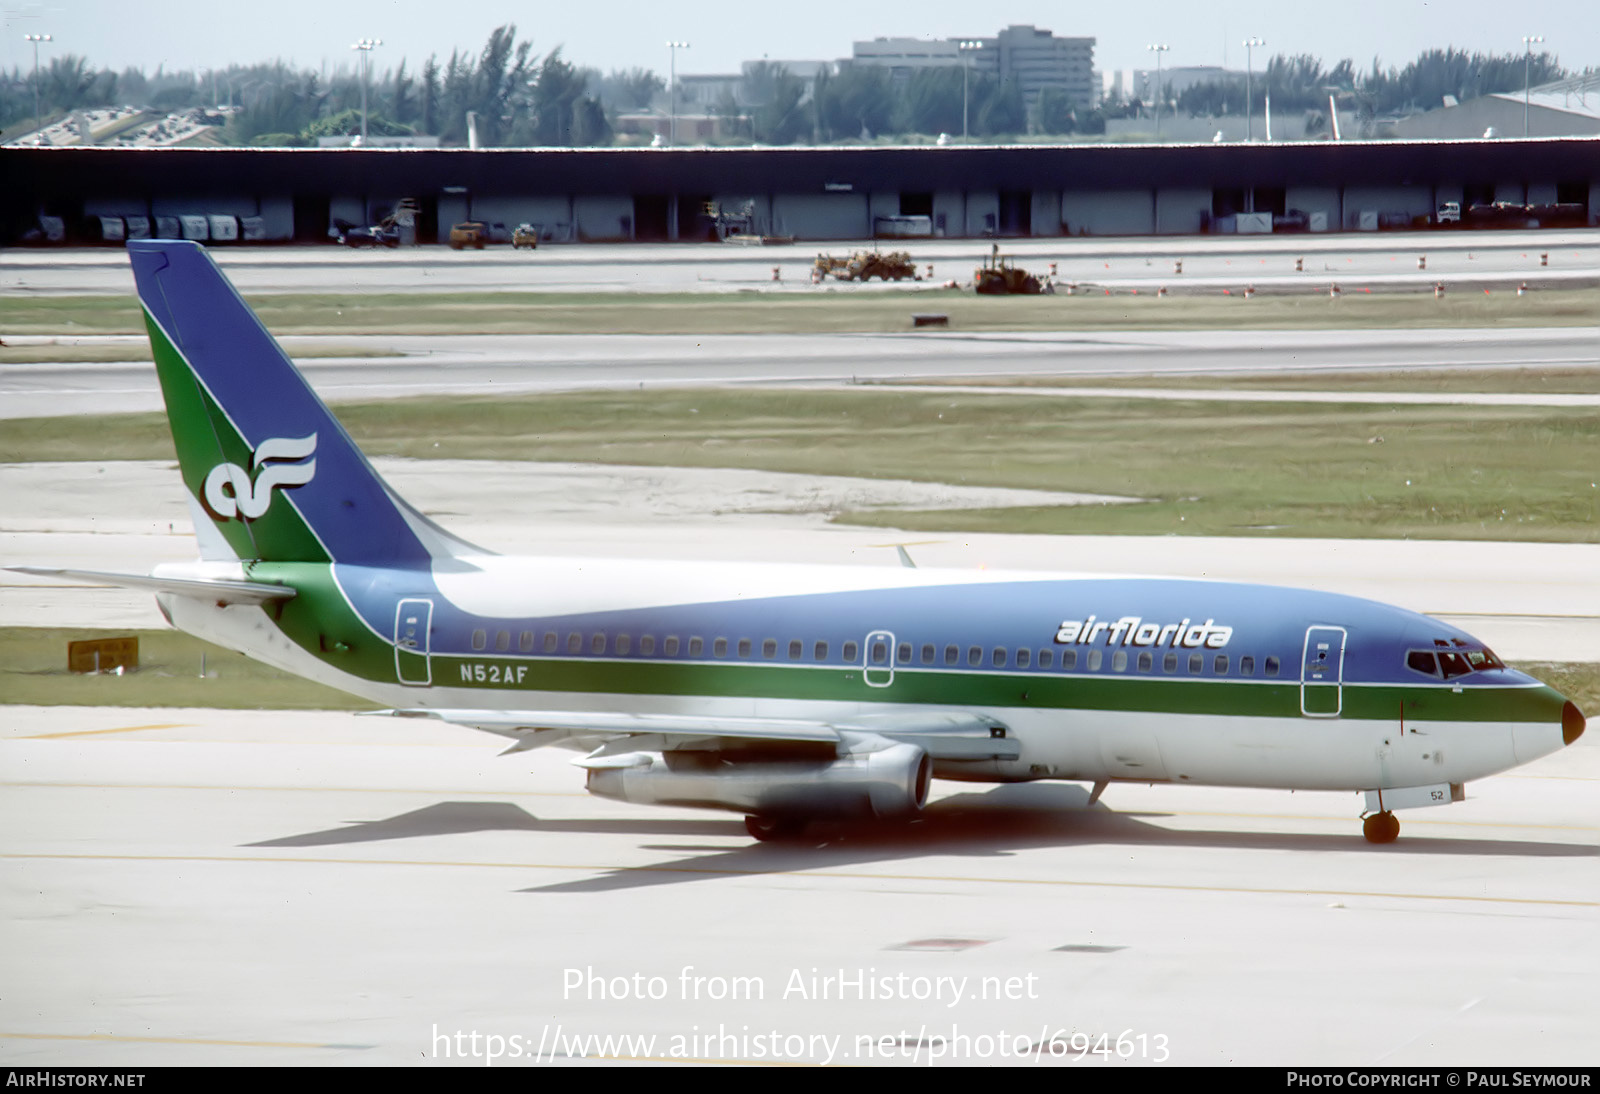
(1527, 58)
(1249, 54)
(672, 124)
(966, 49)
(364, 47)
(1158, 51)
(36, 39)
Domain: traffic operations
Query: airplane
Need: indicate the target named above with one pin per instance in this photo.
(788, 693)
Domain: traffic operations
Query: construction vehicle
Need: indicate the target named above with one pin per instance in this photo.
(1000, 276)
(865, 265)
(469, 233)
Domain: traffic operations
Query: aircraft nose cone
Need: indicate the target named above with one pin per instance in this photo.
(1572, 722)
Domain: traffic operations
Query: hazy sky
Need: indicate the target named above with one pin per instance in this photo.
(612, 34)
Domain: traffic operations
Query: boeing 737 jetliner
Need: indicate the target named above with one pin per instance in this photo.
(787, 693)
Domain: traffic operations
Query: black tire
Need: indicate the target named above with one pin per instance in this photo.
(1381, 827)
(770, 829)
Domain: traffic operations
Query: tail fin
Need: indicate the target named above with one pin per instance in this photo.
(271, 474)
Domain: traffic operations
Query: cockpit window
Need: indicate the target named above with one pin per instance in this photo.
(1422, 661)
(1450, 663)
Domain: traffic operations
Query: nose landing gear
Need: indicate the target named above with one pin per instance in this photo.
(1380, 827)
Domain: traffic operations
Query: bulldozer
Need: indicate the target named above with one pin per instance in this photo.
(1000, 276)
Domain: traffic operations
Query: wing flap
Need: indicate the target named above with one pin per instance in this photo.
(944, 735)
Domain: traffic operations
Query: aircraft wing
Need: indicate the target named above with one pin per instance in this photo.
(944, 735)
(217, 590)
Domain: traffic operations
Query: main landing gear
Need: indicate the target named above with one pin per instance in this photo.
(1380, 827)
(768, 829)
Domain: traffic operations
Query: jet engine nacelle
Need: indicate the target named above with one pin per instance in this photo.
(890, 780)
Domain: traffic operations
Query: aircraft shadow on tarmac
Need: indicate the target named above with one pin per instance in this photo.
(460, 818)
(995, 823)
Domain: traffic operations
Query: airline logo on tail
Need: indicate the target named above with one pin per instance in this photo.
(231, 492)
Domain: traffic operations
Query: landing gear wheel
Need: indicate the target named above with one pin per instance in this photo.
(767, 829)
(1381, 827)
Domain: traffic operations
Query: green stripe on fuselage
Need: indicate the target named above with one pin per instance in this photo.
(1216, 697)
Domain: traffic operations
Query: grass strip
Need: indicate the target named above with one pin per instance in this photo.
(1207, 467)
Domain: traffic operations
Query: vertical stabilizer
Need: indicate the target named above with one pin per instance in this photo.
(271, 474)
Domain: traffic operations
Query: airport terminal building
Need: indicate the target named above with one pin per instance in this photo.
(671, 194)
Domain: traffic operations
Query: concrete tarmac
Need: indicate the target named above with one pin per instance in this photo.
(204, 887)
(1380, 261)
(519, 364)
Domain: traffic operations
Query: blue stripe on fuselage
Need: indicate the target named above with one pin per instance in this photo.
(1265, 621)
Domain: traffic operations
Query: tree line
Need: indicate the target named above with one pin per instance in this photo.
(1302, 83)
(522, 99)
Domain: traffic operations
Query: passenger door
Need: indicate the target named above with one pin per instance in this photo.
(1322, 673)
(413, 626)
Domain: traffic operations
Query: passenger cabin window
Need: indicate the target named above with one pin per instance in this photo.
(880, 652)
(1169, 662)
(697, 646)
(1146, 661)
(574, 642)
(502, 640)
(1094, 660)
(525, 642)
(1272, 666)
(1023, 658)
(1046, 658)
(975, 656)
(549, 641)
(849, 651)
(1219, 664)
(720, 647)
(952, 654)
(670, 646)
(744, 647)
(623, 645)
(769, 648)
(1069, 659)
(999, 657)
(1197, 663)
(647, 644)
(480, 640)
(819, 652)
(1119, 661)
(597, 644)
(904, 653)
(927, 653)
(796, 649)
(1247, 665)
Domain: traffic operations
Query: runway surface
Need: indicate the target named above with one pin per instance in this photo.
(514, 364)
(1380, 261)
(202, 887)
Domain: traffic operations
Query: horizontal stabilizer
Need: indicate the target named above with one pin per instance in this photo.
(217, 591)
